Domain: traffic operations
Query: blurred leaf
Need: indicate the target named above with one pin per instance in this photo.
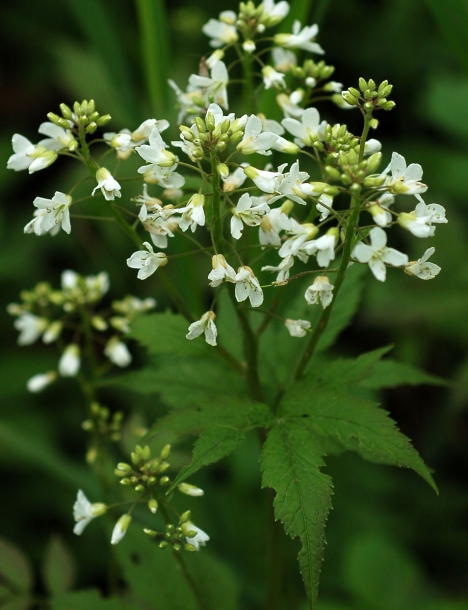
(445, 104)
(291, 463)
(87, 600)
(390, 373)
(19, 603)
(452, 18)
(58, 569)
(380, 573)
(156, 578)
(15, 568)
(163, 333)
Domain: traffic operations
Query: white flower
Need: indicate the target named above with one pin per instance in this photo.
(110, 188)
(155, 153)
(324, 206)
(265, 180)
(214, 85)
(272, 223)
(300, 233)
(117, 352)
(283, 269)
(421, 268)
(300, 39)
(193, 214)
(419, 222)
(404, 180)
(308, 130)
(272, 78)
(273, 13)
(38, 382)
(283, 59)
(84, 512)
(163, 176)
(204, 325)
(160, 224)
(221, 272)
(297, 328)
(52, 332)
(291, 185)
(59, 138)
(380, 209)
(120, 529)
(372, 146)
(51, 215)
(31, 327)
(222, 31)
(377, 254)
(321, 291)
(249, 210)
(29, 156)
(199, 539)
(235, 179)
(254, 141)
(70, 361)
(324, 247)
(146, 261)
(190, 490)
(247, 285)
(290, 103)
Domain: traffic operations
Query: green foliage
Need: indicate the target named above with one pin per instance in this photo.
(86, 599)
(15, 569)
(58, 570)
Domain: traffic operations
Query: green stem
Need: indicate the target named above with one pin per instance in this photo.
(248, 89)
(217, 222)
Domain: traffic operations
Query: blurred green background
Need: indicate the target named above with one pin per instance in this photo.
(392, 544)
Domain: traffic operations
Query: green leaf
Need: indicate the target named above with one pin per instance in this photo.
(164, 580)
(19, 603)
(165, 333)
(452, 17)
(291, 462)
(15, 568)
(328, 401)
(87, 600)
(58, 569)
(390, 373)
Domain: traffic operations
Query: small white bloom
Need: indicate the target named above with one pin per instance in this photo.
(235, 179)
(59, 138)
(321, 291)
(84, 512)
(273, 13)
(201, 537)
(29, 156)
(120, 529)
(265, 180)
(423, 269)
(70, 361)
(52, 332)
(147, 261)
(190, 490)
(324, 206)
(290, 103)
(31, 327)
(372, 146)
(271, 225)
(283, 59)
(300, 233)
(324, 247)
(300, 39)
(291, 185)
(53, 213)
(378, 254)
(214, 85)
(155, 153)
(221, 272)
(204, 325)
(249, 211)
(254, 140)
(221, 32)
(404, 180)
(38, 382)
(380, 209)
(297, 328)
(272, 78)
(117, 352)
(308, 130)
(109, 186)
(249, 46)
(248, 286)
(283, 269)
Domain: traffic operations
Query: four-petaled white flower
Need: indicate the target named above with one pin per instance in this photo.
(297, 328)
(109, 186)
(29, 156)
(222, 31)
(283, 268)
(249, 210)
(194, 535)
(321, 291)
(51, 214)
(273, 13)
(419, 222)
(147, 261)
(300, 39)
(266, 180)
(204, 325)
(37, 383)
(235, 179)
(324, 247)
(272, 78)
(84, 511)
(30, 326)
(155, 153)
(403, 180)
(283, 60)
(270, 226)
(70, 361)
(378, 254)
(59, 138)
(299, 233)
(214, 85)
(422, 268)
(247, 286)
(308, 130)
(193, 214)
(254, 140)
(221, 271)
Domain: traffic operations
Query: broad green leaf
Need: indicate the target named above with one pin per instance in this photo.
(15, 568)
(164, 580)
(163, 333)
(58, 570)
(87, 600)
(328, 402)
(18, 603)
(291, 462)
(390, 373)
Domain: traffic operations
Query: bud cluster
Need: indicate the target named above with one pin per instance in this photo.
(84, 117)
(146, 472)
(369, 97)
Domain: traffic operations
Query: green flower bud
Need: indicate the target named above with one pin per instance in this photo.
(373, 162)
(189, 547)
(223, 170)
(354, 92)
(150, 533)
(210, 121)
(164, 481)
(165, 452)
(371, 84)
(363, 84)
(185, 517)
(139, 488)
(153, 505)
(91, 127)
(163, 544)
(103, 120)
(389, 105)
(66, 112)
(373, 123)
(332, 172)
(176, 546)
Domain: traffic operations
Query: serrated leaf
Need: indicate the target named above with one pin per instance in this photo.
(15, 568)
(58, 569)
(327, 401)
(87, 600)
(165, 333)
(212, 446)
(291, 462)
(390, 373)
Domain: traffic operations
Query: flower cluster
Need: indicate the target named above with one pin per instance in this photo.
(69, 318)
(147, 476)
